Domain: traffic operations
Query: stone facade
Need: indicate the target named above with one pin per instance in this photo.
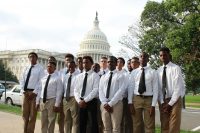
(16, 61)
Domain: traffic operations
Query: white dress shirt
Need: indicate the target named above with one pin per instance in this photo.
(117, 88)
(37, 73)
(73, 82)
(126, 75)
(91, 86)
(54, 89)
(62, 73)
(103, 71)
(151, 82)
(175, 83)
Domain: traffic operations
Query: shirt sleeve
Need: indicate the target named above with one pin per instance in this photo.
(59, 91)
(177, 86)
(22, 79)
(77, 88)
(155, 88)
(130, 89)
(39, 92)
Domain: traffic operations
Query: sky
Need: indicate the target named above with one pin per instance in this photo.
(60, 25)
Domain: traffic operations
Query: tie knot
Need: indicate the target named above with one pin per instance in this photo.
(111, 73)
(142, 68)
(165, 67)
(86, 74)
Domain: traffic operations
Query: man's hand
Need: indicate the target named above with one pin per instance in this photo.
(82, 104)
(131, 108)
(152, 111)
(56, 109)
(167, 108)
(108, 108)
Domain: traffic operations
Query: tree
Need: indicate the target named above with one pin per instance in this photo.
(9, 75)
(175, 24)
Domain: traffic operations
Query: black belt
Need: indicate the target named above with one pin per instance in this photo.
(143, 96)
(29, 90)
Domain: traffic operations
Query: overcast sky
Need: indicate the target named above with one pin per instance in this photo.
(60, 25)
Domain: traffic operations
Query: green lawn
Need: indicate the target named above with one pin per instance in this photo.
(192, 99)
(11, 109)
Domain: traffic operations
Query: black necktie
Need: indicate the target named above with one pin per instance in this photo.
(45, 89)
(104, 72)
(164, 82)
(68, 87)
(84, 85)
(142, 86)
(27, 78)
(109, 84)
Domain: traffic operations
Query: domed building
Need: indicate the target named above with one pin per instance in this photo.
(95, 43)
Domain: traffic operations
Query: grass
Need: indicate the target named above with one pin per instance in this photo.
(11, 109)
(158, 131)
(192, 99)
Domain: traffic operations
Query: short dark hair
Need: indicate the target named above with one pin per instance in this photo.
(135, 58)
(89, 58)
(145, 53)
(104, 57)
(113, 57)
(68, 55)
(81, 58)
(33, 54)
(120, 58)
(52, 60)
(165, 49)
(128, 60)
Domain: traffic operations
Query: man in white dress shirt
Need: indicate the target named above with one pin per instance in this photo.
(29, 83)
(103, 65)
(86, 90)
(143, 89)
(68, 58)
(111, 89)
(126, 126)
(70, 106)
(49, 98)
(171, 88)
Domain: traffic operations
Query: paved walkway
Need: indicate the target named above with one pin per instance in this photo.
(11, 123)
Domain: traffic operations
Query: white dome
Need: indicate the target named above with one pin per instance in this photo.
(95, 43)
(96, 34)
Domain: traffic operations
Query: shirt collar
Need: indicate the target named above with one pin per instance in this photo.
(146, 67)
(167, 64)
(90, 71)
(114, 71)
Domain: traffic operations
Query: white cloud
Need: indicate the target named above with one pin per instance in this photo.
(60, 25)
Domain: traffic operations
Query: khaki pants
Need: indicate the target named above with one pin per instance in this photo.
(170, 123)
(112, 121)
(48, 116)
(142, 106)
(29, 113)
(71, 121)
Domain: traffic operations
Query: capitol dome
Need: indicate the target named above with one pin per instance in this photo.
(95, 43)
